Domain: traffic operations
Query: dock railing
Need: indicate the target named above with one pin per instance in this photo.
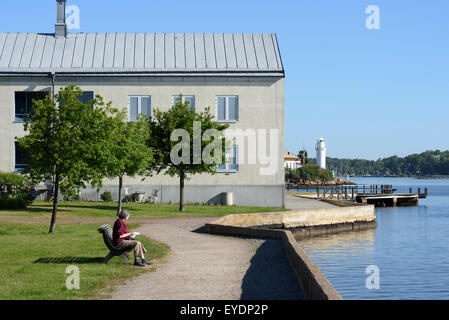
(350, 192)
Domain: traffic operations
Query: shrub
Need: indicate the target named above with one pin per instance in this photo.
(12, 204)
(106, 196)
(14, 185)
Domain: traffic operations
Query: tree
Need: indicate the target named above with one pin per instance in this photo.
(130, 154)
(68, 142)
(302, 154)
(183, 130)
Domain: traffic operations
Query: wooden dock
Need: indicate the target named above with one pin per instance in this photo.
(388, 200)
(379, 195)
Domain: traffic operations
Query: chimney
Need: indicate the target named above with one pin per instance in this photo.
(60, 26)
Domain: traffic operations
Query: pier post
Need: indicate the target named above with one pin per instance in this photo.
(410, 190)
(317, 192)
(419, 190)
(352, 197)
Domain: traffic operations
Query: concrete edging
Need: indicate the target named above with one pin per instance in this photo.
(314, 283)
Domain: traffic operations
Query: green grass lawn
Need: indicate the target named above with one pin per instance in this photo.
(33, 263)
(43, 209)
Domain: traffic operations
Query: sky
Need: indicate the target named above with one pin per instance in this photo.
(369, 93)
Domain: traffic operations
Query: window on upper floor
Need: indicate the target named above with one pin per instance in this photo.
(139, 105)
(24, 102)
(85, 97)
(189, 99)
(227, 108)
(231, 164)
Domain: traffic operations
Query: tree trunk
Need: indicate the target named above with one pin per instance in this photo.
(120, 187)
(55, 205)
(181, 192)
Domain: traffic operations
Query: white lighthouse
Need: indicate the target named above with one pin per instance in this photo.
(321, 153)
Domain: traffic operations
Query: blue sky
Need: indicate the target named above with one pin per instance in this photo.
(369, 93)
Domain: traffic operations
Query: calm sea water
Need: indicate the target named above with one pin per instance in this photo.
(410, 247)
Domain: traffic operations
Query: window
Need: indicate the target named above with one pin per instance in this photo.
(84, 98)
(87, 95)
(227, 108)
(231, 160)
(21, 161)
(24, 102)
(189, 99)
(139, 105)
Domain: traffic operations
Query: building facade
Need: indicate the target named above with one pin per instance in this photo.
(239, 76)
(291, 161)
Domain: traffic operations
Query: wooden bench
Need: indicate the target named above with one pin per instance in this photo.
(106, 231)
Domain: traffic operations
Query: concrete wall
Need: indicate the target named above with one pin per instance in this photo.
(261, 106)
(302, 218)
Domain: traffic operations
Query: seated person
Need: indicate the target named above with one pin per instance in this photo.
(121, 239)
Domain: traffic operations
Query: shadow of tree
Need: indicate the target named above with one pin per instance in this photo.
(270, 275)
(38, 209)
(92, 207)
(70, 260)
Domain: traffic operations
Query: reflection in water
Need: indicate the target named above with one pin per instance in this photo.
(410, 246)
(354, 242)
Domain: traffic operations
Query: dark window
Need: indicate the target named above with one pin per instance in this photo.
(24, 102)
(87, 95)
(84, 98)
(21, 159)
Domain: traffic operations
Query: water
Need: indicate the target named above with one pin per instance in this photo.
(410, 247)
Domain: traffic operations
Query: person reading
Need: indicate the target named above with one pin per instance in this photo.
(121, 238)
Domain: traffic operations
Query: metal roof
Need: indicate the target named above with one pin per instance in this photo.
(141, 53)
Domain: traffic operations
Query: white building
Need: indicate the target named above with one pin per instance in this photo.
(321, 153)
(240, 76)
(291, 161)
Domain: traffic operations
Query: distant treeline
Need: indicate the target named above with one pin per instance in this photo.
(429, 163)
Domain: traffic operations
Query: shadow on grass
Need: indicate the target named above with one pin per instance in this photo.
(70, 260)
(37, 209)
(104, 207)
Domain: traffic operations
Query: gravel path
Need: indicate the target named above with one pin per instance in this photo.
(204, 266)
